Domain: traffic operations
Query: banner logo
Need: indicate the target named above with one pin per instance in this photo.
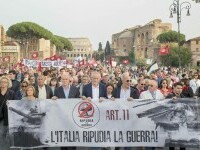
(86, 114)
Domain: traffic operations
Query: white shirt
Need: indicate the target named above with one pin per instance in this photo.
(95, 92)
(194, 84)
(125, 93)
(42, 92)
(148, 95)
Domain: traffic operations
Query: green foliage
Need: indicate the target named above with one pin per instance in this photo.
(98, 56)
(140, 62)
(107, 48)
(100, 47)
(66, 43)
(171, 37)
(132, 56)
(59, 45)
(172, 58)
(28, 30)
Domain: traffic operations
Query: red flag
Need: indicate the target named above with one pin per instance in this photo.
(125, 61)
(6, 59)
(164, 50)
(81, 63)
(34, 55)
(92, 62)
(39, 67)
(54, 57)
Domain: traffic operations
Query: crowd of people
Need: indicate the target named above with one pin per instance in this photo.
(94, 83)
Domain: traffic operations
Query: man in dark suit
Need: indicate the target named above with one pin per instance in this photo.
(43, 91)
(66, 91)
(125, 90)
(95, 89)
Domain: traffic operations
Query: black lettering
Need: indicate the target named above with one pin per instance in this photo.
(52, 139)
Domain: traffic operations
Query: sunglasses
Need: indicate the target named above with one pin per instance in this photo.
(24, 86)
(150, 85)
(128, 80)
(142, 84)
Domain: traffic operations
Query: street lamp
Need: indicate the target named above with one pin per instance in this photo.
(24, 47)
(176, 8)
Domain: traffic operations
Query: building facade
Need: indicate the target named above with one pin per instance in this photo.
(140, 38)
(194, 46)
(11, 49)
(2, 38)
(43, 47)
(82, 47)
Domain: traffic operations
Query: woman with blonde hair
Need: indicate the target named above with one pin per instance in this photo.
(30, 93)
(5, 95)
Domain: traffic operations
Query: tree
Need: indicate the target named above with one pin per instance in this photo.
(107, 49)
(100, 47)
(25, 31)
(66, 43)
(171, 59)
(98, 56)
(59, 45)
(132, 56)
(28, 30)
(171, 37)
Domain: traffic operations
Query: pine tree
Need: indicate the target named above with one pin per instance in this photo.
(100, 49)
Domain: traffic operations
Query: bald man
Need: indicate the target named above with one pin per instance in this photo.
(152, 92)
(125, 91)
(95, 89)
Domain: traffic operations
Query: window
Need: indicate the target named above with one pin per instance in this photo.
(197, 42)
(74, 55)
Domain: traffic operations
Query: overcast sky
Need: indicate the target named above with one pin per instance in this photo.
(95, 19)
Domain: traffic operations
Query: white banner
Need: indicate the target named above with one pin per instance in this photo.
(30, 63)
(44, 63)
(73, 122)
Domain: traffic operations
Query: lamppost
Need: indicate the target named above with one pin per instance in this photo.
(24, 47)
(176, 8)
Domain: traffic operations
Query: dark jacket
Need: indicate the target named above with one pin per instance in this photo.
(188, 92)
(171, 95)
(15, 85)
(10, 95)
(49, 92)
(133, 93)
(73, 92)
(87, 90)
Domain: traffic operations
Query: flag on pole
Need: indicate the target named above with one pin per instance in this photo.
(54, 57)
(164, 50)
(34, 55)
(152, 67)
(6, 59)
(125, 61)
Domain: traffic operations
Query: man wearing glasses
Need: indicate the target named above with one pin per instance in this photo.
(125, 91)
(152, 92)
